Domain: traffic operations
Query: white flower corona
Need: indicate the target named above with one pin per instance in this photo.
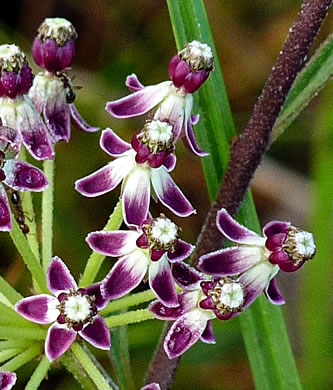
(77, 308)
(305, 245)
(232, 295)
(164, 230)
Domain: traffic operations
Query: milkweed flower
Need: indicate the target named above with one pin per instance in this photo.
(15, 174)
(7, 380)
(148, 160)
(72, 311)
(201, 301)
(147, 249)
(171, 101)
(52, 91)
(16, 108)
(258, 259)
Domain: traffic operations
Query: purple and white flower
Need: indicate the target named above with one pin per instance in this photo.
(147, 161)
(72, 311)
(16, 108)
(171, 101)
(149, 248)
(15, 174)
(201, 301)
(7, 380)
(151, 386)
(52, 91)
(258, 259)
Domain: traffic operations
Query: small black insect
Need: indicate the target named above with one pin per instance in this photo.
(68, 86)
(20, 217)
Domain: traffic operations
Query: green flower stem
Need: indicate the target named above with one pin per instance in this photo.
(13, 332)
(29, 258)
(129, 317)
(23, 358)
(10, 344)
(96, 259)
(90, 368)
(47, 214)
(39, 374)
(130, 300)
(9, 292)
(9, 353)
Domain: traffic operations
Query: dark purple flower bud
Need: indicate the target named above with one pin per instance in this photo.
(192, 66)
(53, 48)
(16, 75)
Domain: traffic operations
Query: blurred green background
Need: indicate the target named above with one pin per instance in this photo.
(294, 182)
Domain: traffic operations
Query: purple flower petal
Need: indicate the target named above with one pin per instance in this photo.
(161, 282)
(34, 132)
(170, 162)
(133, 83)
(185, 332)
(7, 380)
(105, 179)
(79, 122)
(10, 140)
(255, 280)
(97, 334)
(59, 338)
(151, 386)
(273, 293)
(59, 277)
(125, 275)
(169, 193)
(230, 261)
(114, 244)
(95, 290)
(195, 118)
(182, 251)
(235, 232)
(5, 214)
(191, 142)
(208, 335)
(186, 276)
(56, 112)
(139, 102)
(22, 176)
(275, 227)
(39, 308)
(136, 196)
(112, 144)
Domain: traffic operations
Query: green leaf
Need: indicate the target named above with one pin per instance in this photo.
(312, 79)
(263, 328)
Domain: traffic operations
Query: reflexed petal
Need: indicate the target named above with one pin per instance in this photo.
(10, 141)
(112, 144)
(59, 277)
(136, 196)
(5, 214)
(39, 308)
(170, 162)
(161, 282)
(22, 176)
(97, 334)
(230, 261)
(191, 142)
(115, 244)
(105, 179)
(235, 232)
(273, 293)
(275, 227)
(95, 290)
(182, 251)
(79, 122)
(34, 132)
(208, 335)
(186, 276)
(133, 83)
(125, 275)
(139, 102)
(185, 332)
(256, 279)
(56, 112)
(169, 193)
(59, 338)
(151, 386)
(195, 118)
(7, 380)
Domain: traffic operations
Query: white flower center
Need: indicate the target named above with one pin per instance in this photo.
(59, 29)
(164, 230)
(198, 49)
(55, 23)
(77, 308)
(11, 58)
(232, 295)
(304, 243)
(159, 132)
